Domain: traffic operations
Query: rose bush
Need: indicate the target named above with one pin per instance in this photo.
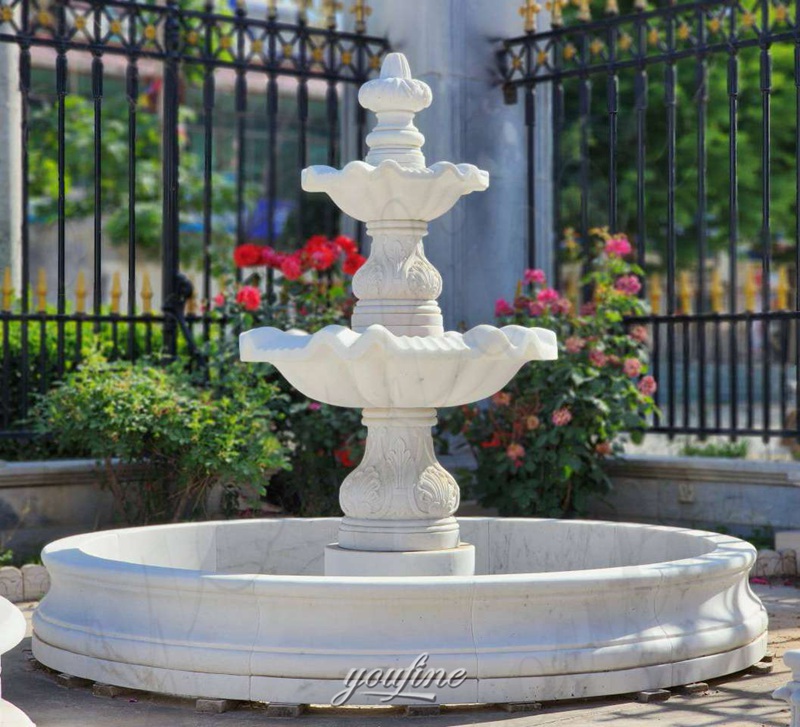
(323, 442)
(541, 442)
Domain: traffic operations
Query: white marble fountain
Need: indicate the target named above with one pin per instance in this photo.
(511, 609)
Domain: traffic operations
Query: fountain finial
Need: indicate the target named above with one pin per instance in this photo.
(395, 97)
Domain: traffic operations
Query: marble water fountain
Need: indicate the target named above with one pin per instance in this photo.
(511, 610)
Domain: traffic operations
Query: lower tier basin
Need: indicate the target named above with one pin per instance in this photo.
(557, 610)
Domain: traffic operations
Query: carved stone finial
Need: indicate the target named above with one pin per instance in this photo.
(395, 98)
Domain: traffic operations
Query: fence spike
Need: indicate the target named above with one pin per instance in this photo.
(362, 11)
(685, 292)
(529, 11)
(654, 287)
(716, 291)
(80, 293)
(41, 291)
(750, 289)
(8, 290)
(612, 8)
(584, 11)
(116, 293)
(782, 290)
(147, 294)
(640, 4)
(191, 302)
(302, 9)
(330, 8)
(556, 12)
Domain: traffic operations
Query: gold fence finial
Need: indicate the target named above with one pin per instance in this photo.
(116, 293)
(147, 294)
(302, 9)
(584, 11)
(782, 290)
(685, 292)
(556, 15)
(655, 293)
(640, 4)
(362, 11)
(8, 289)
(529, 11)
(191, 302)
(330, 8)
(41, 291)
(80, 293)
(750, 289)
(716, 291)
(612, 8)
(272, 9)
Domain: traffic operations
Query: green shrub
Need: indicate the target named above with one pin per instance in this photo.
(187, 439)
(541, 442)
(728, 450)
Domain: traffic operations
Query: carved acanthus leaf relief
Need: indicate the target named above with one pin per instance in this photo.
(436, 493)
(398, 269)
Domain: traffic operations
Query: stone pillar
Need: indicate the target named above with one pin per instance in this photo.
(10, 161)
(790, 692)
(480, 247)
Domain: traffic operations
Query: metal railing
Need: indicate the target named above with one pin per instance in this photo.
(680, 150)
(263, 65)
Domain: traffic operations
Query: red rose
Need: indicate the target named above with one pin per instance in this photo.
(292, 267)
(247, 255)
(272, 258)
(343, 457)
(346, 244)
(352, 263)
(249, 297)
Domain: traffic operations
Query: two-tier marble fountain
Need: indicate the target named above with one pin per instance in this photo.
(284, 610)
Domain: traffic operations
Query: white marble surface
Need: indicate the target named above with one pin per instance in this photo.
(240, 610)
(790, 692)
(12, 631)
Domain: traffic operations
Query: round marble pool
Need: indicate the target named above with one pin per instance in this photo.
(557, 610)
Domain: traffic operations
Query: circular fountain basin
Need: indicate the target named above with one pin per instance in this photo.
(557, 610)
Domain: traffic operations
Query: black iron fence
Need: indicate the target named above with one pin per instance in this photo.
(680, 125)
(121, 105)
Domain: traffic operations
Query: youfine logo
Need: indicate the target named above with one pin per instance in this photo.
(414, 682)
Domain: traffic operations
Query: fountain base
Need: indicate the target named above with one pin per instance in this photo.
(458, 561)
(556, 610)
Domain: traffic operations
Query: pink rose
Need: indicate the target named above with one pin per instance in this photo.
(561, 417)
(632, 367)
(597, 358)
(314, 406)
(618, 246)
(501, 398)
(219, 300)
(503, 308)
(628, 284)
(515, 451)
(648, 385)
(272, 258)
(639, 334)
(574, 344)
(547, 295)
(562, 305)
(536, 308)
(588, 309)
(534, 275)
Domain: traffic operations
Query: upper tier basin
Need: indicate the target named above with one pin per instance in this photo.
(390, 191)
(378, 369)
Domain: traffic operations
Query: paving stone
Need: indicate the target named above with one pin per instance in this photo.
(423, 710)
(215, 706)
(72, 682)
(520, 706)
(693, 688)
(653, 695)
(768, 657)
(285, 709)
(761, 668)
(110, 690)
